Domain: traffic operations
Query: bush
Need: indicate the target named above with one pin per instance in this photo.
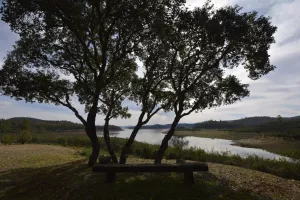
(8, 139)
(179, 142)
(63, 141)
(24, 137)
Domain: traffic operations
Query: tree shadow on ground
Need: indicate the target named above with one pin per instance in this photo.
(75, 181)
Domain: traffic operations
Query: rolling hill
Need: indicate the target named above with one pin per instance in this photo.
(263, 122)
(16, 123)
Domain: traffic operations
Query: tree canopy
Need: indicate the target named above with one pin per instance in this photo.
(203, 44)
(89, 50)
(91, 41)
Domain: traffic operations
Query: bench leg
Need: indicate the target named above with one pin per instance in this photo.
(110, 177)
(188, 177)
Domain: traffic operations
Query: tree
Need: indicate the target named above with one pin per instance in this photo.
(8, 139)
(203, 44)
(148, 91)
(24, 137)
(179, 142)
(280, 123)
(112, 99)
(5, 126)
(73, 49)
(40, 129)
(25, 126)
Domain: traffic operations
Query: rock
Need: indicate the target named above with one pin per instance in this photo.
(103, 159)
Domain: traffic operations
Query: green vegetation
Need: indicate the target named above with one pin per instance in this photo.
(8, 139)
(269, 141)
(35, 156)
(16, 124)
(24, 137)
(270, 124)
(283, 146)
(278, 135)
(281, 168)
(101, 45)
(53, 172)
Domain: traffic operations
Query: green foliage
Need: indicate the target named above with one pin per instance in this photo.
(211, 124)
(285, 127)
(95, 42)
(179, 142)
(63, 141)
(280, 168)
(5, 126)
(15, 125)
(221, 39)
(99, 43)
(25, 125)
(24, 137)
(8, 139)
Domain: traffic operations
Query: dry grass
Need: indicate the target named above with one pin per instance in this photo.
(62, 179)
(261, 184)
(32, 156)
(290, 148)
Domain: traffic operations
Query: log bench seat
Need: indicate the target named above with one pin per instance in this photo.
(186, 168)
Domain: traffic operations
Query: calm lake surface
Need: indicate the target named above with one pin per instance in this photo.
(155, 136)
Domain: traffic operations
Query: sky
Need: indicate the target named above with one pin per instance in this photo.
(277, 93)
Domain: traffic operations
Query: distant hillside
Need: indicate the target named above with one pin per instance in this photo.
(166, 126)
(255, 123)
(15, 124)
(248, 122)
(291, 125)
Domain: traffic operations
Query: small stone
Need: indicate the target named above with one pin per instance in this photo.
(105, 159)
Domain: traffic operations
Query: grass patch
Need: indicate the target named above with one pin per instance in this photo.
(74, 180)
(290, 148)
(272, 142)
(31, 155)
(280, 168)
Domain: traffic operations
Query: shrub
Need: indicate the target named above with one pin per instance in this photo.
(24, 137)
(8, 139)
(63, 141)
(179, 142)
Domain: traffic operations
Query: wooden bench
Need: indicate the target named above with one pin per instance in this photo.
(186, 168)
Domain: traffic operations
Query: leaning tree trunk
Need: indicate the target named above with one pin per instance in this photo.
(164, 144)
(90, 130)
(107, 142)
(129, 143)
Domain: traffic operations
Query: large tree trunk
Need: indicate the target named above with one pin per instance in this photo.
(107, 142)
(90, 130)
(164, 144)
(129, 143)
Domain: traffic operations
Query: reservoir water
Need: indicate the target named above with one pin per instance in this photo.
(155, 136)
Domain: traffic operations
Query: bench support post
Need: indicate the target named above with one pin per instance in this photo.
(188, 177)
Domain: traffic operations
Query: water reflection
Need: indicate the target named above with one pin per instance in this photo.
(155, 136)
(112, 134)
